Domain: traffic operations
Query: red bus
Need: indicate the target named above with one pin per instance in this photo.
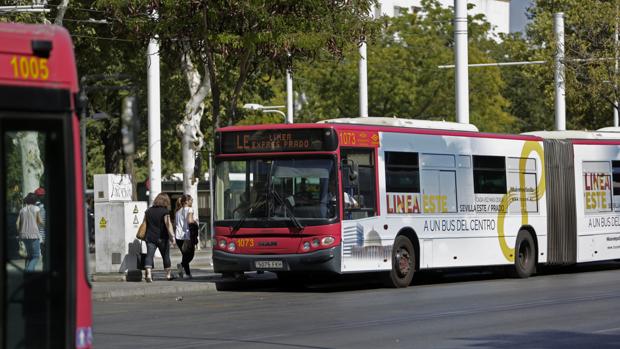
(45, 294)
(394, 196)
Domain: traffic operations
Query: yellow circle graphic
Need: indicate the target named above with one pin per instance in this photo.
(509, 198)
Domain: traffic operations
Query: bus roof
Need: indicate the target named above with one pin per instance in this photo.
(385, 124)
(607, 133)
(400, 122)
(24, 46)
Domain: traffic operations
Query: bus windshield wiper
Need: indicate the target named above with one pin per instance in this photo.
(255, 205)
(294, 219)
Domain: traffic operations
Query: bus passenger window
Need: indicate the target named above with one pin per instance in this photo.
(489, 174)
(402, 172)
(615, 165)
(359, 195)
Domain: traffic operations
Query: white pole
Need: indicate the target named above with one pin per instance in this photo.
(616, 70)
(211, 198)
(461, 62)
(152, 59)
(560, 93)
(289, 92)
(363, 71)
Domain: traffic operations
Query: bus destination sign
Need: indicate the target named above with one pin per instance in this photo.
(264, 141)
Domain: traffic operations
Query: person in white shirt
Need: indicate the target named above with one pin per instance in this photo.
(28, 223)
(184, 217)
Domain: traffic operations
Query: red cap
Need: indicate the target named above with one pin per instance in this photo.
(39, 192)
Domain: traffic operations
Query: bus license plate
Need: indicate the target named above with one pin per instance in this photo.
(268, 264)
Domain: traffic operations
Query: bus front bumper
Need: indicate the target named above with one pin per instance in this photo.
(321, 260)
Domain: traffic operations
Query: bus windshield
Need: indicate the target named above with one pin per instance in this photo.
(276, 189)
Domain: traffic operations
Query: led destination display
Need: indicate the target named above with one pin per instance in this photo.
(263, 141)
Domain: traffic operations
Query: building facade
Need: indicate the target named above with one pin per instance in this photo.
(497, 12)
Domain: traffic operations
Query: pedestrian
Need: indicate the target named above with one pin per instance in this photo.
(28, 223)
(159, 235)
(184, 218)
(40, 197)
(91, 224)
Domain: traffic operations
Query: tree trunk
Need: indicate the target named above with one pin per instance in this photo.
(32, 166)
(62, 8)
(130, 170)
(189, 128)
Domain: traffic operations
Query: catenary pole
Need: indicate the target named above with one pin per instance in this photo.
(211, 198)
(289, 92)
(560, 93)
(363, 72)
(616, 70)
(152, 58)
(461, 74)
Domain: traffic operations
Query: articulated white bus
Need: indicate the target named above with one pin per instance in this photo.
(400, 195)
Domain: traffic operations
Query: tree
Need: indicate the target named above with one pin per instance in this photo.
(403, 77)
(528, 88)
(224, 44)
(590, 50)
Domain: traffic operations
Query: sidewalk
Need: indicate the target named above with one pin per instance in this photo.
(113, 285)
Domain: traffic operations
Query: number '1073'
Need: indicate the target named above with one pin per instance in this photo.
(30, 68)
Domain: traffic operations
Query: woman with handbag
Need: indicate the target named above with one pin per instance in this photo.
(28, 223)
(158, 235)
(184, 219)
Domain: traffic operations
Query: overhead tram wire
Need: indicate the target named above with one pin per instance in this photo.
(92, 10)
(101, 38)
(89, 21)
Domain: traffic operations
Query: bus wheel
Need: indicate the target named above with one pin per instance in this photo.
(525, 255)
(403, 263)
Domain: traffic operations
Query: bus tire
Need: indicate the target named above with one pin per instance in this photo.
(525, 255)
(403, 263)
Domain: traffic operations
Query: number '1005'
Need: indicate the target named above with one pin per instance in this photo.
(30, 68)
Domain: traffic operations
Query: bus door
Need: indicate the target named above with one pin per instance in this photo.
(362, 245)
(35, 290)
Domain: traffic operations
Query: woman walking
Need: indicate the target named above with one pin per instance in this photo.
(158, 235)
(28, 223)
(184, 217)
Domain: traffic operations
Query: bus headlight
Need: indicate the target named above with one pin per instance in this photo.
(315, 243)
(306, 245)
(328, 240)
(222, 244)
(231, 246)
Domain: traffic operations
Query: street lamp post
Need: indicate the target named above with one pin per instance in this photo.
(266, 108)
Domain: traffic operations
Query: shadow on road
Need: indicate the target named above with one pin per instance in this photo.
(325, 283)
(547, 340)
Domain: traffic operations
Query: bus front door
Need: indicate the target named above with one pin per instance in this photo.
(34, 288)
(362, 246)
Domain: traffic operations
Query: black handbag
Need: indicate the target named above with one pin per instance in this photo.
(193, 233)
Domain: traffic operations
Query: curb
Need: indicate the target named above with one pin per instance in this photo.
(103, 291)
(153, 289)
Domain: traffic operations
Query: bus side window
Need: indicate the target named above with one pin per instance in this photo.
(359, 195)
(402, 172)
(489, 174)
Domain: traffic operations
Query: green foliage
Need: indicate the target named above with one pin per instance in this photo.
(403, 78)
(590, 49)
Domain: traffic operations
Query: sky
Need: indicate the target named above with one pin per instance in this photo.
(518, 18)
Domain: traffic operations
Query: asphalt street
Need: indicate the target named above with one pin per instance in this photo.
(557, 309)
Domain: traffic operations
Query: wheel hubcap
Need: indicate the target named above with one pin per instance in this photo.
(524, 254)
(403, 260)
